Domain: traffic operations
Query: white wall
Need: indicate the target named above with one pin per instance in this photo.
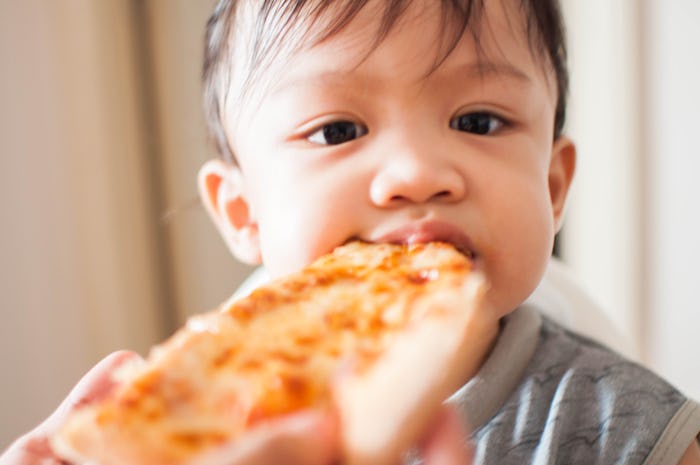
(634, 221)
(602, 239)
(672, 126)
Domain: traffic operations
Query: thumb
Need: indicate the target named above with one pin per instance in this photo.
(93, 386)
(309, 438)
(33, 447)
(448, 445)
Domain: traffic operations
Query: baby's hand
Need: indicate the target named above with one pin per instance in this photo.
(33, 448)
(311, 439)
(445, 444)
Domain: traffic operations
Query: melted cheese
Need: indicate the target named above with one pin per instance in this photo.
(276, 351)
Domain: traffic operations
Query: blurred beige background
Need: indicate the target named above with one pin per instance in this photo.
(101, 135)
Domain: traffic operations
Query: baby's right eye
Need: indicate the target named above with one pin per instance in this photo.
(337, 132)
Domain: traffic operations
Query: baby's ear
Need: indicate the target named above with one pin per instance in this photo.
(221, 190)
(561, 173)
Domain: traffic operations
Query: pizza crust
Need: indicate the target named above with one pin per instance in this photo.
(381, 414)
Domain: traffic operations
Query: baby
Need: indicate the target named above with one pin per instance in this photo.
(411, 121)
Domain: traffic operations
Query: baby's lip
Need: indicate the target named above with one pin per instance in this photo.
(430, 231)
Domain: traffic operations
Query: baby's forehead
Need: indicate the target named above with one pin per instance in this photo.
(266, 39)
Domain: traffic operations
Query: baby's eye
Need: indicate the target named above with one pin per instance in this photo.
(337, 132)
(480, 123)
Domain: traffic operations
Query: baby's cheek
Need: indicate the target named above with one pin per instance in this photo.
(296, 243)
(516, 267)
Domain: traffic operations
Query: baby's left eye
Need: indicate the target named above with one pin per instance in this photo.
(480, 123)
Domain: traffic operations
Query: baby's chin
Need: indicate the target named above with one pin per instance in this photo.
(507, 293)
(293, 262)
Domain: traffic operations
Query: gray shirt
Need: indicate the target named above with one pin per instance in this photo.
(548, 396)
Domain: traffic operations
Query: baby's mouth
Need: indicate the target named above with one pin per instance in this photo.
(466, 252)
(431, 231)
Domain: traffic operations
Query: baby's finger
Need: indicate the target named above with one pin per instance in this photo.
(308, 438)
(447, 444)
(94, 385)
(33, 448)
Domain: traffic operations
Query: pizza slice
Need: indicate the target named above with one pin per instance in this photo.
(378, 334)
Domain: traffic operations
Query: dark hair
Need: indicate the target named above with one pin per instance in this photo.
(276, 24)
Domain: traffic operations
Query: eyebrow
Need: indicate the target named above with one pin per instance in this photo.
(481, 69)
(485, 68)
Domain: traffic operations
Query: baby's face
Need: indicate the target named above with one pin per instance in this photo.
(347, 146)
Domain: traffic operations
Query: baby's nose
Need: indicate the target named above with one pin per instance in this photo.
(416, 180)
